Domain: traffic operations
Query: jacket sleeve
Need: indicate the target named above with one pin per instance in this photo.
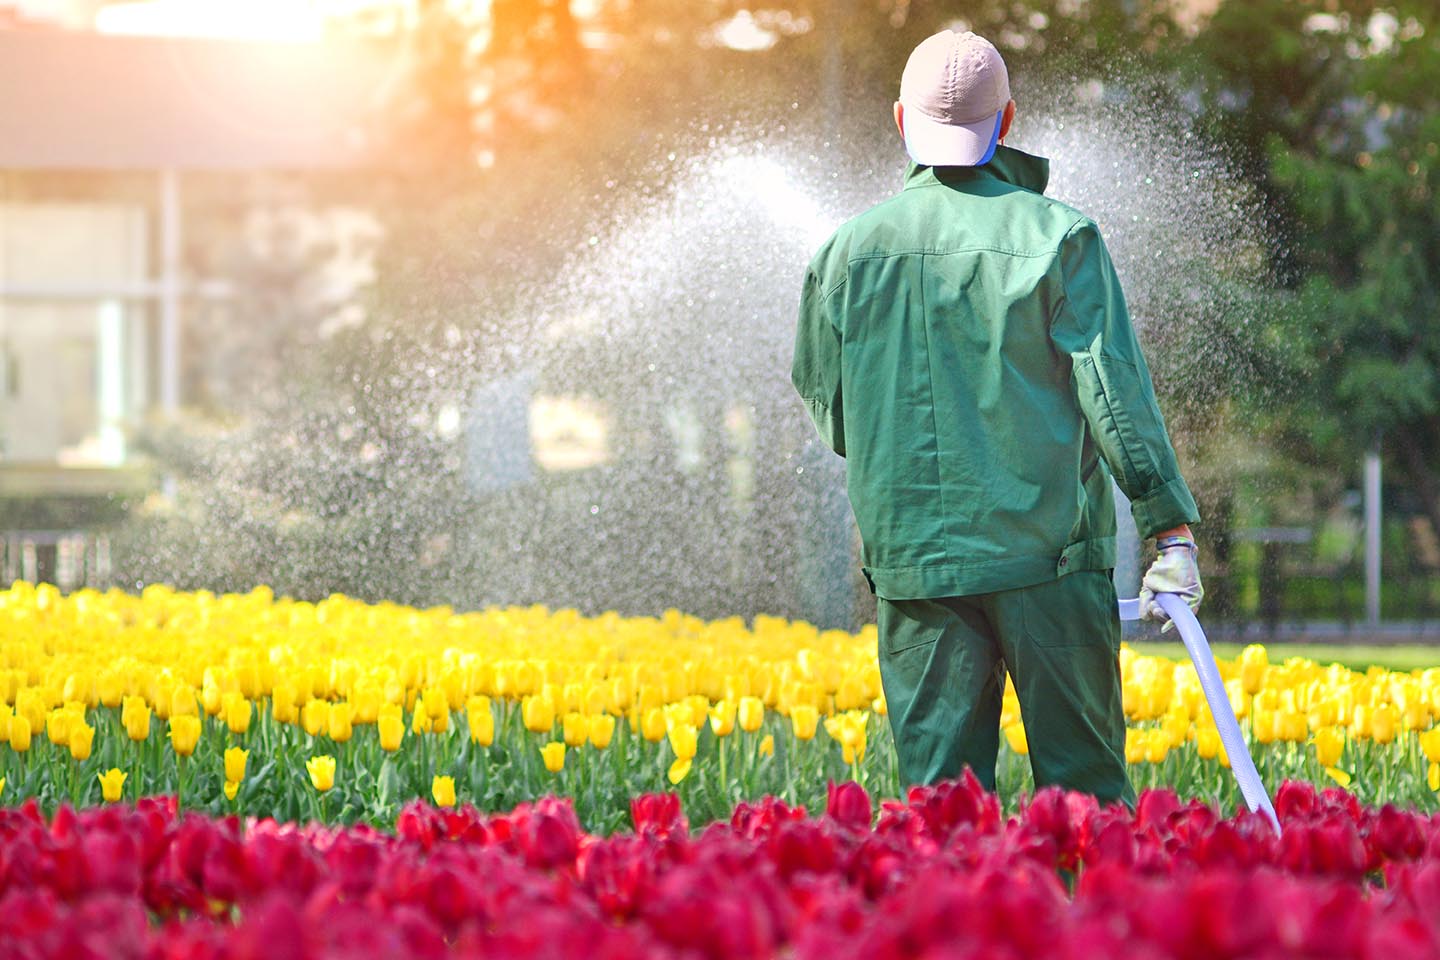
(1113, 387)
(816, 368)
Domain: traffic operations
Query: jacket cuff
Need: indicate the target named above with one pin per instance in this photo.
(830, 427)
(1164, 508)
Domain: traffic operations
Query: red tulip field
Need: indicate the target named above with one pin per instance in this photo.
(943, 874)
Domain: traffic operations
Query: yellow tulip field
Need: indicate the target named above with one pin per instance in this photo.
(346, 711)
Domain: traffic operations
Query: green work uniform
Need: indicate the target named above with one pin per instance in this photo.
(966, 347)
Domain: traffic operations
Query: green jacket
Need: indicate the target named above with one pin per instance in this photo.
(965, 346)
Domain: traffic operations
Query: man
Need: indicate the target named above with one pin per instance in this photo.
(966, 347)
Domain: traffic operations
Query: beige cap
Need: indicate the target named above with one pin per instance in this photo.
(954, 89)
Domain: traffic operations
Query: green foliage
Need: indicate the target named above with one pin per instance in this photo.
(1335, 107)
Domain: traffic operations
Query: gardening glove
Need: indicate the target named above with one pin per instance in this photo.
(1176, 571)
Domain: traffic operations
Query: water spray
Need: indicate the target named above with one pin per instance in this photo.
(1256, 798)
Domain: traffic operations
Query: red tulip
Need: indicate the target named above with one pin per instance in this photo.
(658, 814)
(550, 834)
(1398, 835)
(754, 821)
(848, 803)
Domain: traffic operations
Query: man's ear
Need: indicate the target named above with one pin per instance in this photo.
(1004, 120)
(900, 118)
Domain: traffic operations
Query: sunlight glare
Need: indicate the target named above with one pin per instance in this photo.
(287, 21)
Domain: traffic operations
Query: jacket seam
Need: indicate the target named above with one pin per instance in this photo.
(1075, 546)
(934, 418)
(1090, 355)
(976, 248)
(1059, 257)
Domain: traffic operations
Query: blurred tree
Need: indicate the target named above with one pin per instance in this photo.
(1334, 109)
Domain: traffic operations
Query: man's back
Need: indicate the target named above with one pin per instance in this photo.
(970, 465)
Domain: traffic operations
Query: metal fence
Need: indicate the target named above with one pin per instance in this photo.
(1276, 583)
(70, 559)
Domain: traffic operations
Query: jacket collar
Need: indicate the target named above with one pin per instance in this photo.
(1008, 164)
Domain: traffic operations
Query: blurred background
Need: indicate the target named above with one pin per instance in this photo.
(492, 301)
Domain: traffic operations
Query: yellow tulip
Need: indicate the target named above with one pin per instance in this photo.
(6, 712)
(57, 727)
(2, 786)
(182, 702)
(767, 745)
(538, 714)
(679, 770)
(481, 721)
(680, 714)
(1383, 724)
(575, 729)
(849, 730)
(1329, 745)
(282, 702)
(112, 782)
(231, 789)
(436, 703)
(443, 790)
(392, 730)
(315, 717)
(111, 688)
(554, 756)
(80, 687)
(1015, 736)
(235, 764)
(19, 733)
(803, 721)
(1432, 777)
(683, 740)
(184, 734)
(1253, 664)
(751, 714)
(1157, 746)
(602, 730)
(1430, 743)
(1292, 726)
(652, 725)
(1338, 775)
(82, 737)
(366, 698)
(1134, 745)
(722, 718)
(237, 714)
(1265, 724)
(339, 725)
(1207, 742)
(322, 772)
(1177, 727)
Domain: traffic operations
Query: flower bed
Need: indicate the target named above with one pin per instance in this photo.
(345, 711)
(943, 874)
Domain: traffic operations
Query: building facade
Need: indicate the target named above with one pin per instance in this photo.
(129, 169)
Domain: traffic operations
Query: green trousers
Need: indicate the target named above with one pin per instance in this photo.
(943, 664)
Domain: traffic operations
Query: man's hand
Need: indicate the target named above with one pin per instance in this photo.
(1175, 571)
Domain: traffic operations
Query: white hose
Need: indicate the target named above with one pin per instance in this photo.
(1199, 649)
